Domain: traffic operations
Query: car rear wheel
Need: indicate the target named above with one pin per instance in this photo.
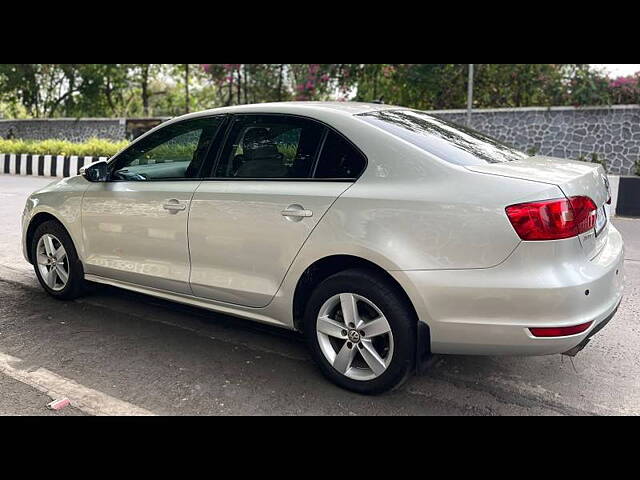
(56, 262)
(361, 331)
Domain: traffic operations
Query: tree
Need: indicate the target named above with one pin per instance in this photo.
(43, 89)
(74, 90)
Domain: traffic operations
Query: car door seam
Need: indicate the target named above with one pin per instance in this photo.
(193, 194)
(303, 244)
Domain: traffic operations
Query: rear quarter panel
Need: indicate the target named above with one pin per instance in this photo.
(451, 221)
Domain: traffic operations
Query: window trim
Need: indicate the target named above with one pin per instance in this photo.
(112, 161)
(318, 154)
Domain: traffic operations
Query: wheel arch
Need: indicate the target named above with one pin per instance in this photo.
(37, 220)
(327, 266)
(323, 268)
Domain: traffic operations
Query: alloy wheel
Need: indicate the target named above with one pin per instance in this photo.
(355, 336)
(53, 262)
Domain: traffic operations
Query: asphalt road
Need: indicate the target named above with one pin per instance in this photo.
(115, 352)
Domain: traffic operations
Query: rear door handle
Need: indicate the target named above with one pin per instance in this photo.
(297, 212)
(174, 206)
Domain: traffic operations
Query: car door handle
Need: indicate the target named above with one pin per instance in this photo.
(174, 206)
(296, 211)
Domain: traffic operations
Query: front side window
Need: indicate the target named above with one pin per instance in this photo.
(339, 159)
(174, 152)
(269, 146)
(448, 141)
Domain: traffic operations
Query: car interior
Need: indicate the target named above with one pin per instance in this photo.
(271, 151)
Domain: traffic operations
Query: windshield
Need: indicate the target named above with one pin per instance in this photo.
(448, 141)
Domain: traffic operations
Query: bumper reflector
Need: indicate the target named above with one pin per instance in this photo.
(559, 331)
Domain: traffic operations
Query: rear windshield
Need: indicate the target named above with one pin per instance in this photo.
(448, 141)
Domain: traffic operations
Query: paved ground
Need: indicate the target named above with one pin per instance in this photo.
(119, 352)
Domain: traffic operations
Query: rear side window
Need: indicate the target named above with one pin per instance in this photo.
(339, 159)
(448, 141)
(270, 146)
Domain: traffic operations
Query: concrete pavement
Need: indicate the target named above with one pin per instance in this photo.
(117, 349)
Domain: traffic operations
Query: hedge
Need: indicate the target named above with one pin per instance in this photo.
(94, 147)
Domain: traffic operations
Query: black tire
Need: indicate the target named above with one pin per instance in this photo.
(76, 285)
(400, 316)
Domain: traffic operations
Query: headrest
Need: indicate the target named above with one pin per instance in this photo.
(256, 144)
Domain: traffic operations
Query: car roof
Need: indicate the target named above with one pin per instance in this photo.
(312, 109)
(322, 111)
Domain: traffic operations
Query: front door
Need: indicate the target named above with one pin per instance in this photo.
(135, 224)
(252, 215)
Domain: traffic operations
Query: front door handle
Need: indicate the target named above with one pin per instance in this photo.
(296, 212)
(174, 206)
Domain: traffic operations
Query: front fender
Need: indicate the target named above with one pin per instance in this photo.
(63, 201)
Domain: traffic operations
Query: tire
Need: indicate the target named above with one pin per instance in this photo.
(75, 284)
(328, 332)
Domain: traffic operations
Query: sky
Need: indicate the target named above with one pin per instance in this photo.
(618, 69)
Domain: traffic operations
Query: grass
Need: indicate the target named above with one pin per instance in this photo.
(94, 147)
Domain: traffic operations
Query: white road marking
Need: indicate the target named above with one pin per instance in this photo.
(86, 399)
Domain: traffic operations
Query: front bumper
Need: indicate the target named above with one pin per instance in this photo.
(542, 284)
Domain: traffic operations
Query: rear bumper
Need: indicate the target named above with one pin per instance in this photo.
(574, 351)
(542, 284)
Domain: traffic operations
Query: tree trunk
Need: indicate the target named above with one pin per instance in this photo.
(145, 90)
(246, 80)
(239, 86)
(186, 87)
(230, 97)
(280, 82)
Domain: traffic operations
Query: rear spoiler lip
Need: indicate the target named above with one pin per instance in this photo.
(474, 169)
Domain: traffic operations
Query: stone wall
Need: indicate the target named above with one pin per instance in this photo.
(78, 129)
(612, 134)
(75, 130)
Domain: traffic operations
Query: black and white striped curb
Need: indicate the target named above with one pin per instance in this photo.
(43, 165)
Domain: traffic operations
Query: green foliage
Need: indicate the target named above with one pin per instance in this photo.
(586, 87)
(142, 90)
(533, 150)
(101, 90)
(94, 147)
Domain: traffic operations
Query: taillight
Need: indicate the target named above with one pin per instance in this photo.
(553, 219)
(559, 331)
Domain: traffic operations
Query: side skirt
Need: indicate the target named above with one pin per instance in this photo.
(227, 309)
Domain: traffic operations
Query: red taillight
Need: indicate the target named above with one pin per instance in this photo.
(553, 219)
(559, 331)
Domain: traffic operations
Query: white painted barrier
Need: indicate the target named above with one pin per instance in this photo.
(43, 165)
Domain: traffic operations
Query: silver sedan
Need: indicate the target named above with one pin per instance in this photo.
(382, 233)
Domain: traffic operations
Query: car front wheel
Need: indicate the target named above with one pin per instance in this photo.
(361, 331)
(56, 262)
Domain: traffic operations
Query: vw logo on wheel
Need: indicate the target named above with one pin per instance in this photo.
(354, 336)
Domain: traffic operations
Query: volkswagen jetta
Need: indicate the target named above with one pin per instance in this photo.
(382, 233)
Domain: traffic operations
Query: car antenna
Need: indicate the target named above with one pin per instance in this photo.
(379, 101)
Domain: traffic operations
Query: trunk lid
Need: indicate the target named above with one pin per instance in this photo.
(572, 177)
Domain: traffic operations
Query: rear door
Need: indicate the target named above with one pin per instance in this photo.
(252, 215)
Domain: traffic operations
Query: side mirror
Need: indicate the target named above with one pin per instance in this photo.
(96, 172)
